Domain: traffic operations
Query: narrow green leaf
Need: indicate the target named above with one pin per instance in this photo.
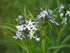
(60, 46)
(68, 37)
(17, 42)
(25, 11)
(49, 41)
(51, 36)
(6, 27)
(30, 14)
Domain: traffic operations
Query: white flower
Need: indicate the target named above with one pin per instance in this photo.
(61, 8)
(20, 16)
(50, 12)
(15, 37)
(53, 21)
(20, 28)
(67, 12)
(31, 36)
(64, 21)
(19, 35)
(61, 14)
(30, 25)
(56, 23)
(37, 39)
(33, 28)
(42, 14)
(27, 26)
(29, 22)
(39, 16)
(31, 33)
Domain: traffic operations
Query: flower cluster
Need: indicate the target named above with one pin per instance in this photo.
(63, 15)
(48, 15)
(30, 27)
(20, 19)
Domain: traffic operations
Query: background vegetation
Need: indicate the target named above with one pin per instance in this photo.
(10, 9)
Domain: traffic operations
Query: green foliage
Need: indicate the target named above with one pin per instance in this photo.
(53, 41)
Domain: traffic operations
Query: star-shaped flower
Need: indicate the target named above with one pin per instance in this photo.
(19, 35)
(42, 14)
(31, 34)
(67, 12)
(20, 28)
(33, 28)
(61, 8)
(29, 22)
(64, 21)
(53, 21)
(61, 14)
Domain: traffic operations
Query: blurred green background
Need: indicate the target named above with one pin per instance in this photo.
(10, 9)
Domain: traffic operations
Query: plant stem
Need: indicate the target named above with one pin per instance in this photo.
(44, 40)
(24, 47)
(59, 34)
(58, 40)
(28, 46)
(43, 44)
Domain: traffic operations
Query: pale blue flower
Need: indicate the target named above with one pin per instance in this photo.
(67, 13)
(61, 15)
(20, 28)
(19, 35)
(61, 8)
(64, 21)
(20, 17)
(53, 21)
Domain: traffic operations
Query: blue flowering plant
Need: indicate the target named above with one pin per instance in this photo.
(33, 33)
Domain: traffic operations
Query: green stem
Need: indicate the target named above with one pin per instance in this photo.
(24, 47)
(43, 44)
(58, 40)
(44, 40)
(59, 34)
(28, 46)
